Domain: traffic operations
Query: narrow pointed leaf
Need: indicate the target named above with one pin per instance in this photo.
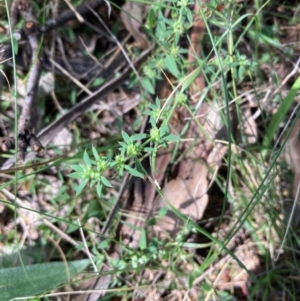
(105, 182)
(81, 186)
(134, 172)
(126, 137)
(87, 159)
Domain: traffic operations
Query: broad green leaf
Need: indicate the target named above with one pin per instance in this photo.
(134, 172)
(38, 279)
(147, 85)
(281, 113)
(171, 65)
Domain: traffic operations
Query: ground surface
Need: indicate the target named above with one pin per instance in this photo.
(159, 142)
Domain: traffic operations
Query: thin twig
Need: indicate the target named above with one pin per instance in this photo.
(72, 78)
(72, 8)
(117, 42)
(90, 256)
(69, 15)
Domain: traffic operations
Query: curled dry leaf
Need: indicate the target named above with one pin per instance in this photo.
(132, 17)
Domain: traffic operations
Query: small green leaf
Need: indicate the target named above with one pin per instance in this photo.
(15, 46)
(138, 166)
(147, 85)
(172, 138)
(77, 168)
(139, 136)
(98, 81)
(75, 175)
(86, 158)
(163, 212)
(73, 96)
(134, 172)
(189, 16)
(103, 245)
(191, 278)
(241, 73)
(99, 189)
(151, 18)
(121, 172)
(81, 186)
(95, 153)
(105, 182)
(143, 240)
(126, 137)
(172, 65)
(191, 78)
(71, 228)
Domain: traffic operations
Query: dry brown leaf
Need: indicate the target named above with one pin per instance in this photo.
(186, 195)
(132, 18)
